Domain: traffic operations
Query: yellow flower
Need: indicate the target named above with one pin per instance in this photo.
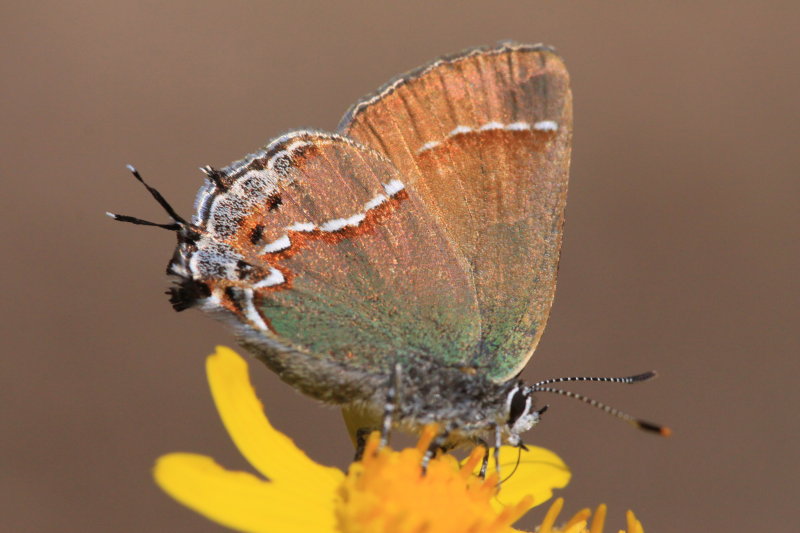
(579, 522)
(386, 492)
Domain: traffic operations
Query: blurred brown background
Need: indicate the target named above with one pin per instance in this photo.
(681, 245)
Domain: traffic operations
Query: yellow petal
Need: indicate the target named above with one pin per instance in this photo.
(539, 472)
(634, 526)
(269, 451)
(242, 501)
(599, 519)
(551, 516)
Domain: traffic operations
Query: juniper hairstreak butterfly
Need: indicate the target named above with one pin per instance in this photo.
(404, 266)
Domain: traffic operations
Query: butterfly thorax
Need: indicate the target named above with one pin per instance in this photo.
(466, 405)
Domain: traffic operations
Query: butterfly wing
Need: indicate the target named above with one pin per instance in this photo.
(484, 139)
(330, 267)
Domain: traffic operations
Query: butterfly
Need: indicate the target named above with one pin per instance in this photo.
(404, 266)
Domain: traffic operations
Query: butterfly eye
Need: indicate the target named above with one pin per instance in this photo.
(518, 406)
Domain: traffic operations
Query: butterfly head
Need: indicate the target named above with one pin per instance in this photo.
(520, 413)
(187, 291)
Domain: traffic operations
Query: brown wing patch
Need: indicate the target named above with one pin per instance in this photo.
(297, 242)
(484, 138)
(325, 248)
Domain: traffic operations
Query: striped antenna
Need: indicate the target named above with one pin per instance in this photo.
(177, 221)
(632, 420)
(627, 380)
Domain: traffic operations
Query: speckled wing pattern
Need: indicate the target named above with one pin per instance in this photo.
(483, 138)
(332, 269)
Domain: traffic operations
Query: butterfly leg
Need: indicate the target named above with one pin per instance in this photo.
(389, 408)
(437, 445)
(498, 441)
(495, 451)
(486, 453)
(485, 461)
(392, 399)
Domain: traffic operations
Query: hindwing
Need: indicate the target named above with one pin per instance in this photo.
(483, 138)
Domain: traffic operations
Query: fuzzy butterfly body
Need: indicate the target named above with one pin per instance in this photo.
(415, 249)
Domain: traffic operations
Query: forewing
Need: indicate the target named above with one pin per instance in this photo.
(330, 262)
(484, 139)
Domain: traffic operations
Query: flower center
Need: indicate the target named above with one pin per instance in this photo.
(387, 492)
